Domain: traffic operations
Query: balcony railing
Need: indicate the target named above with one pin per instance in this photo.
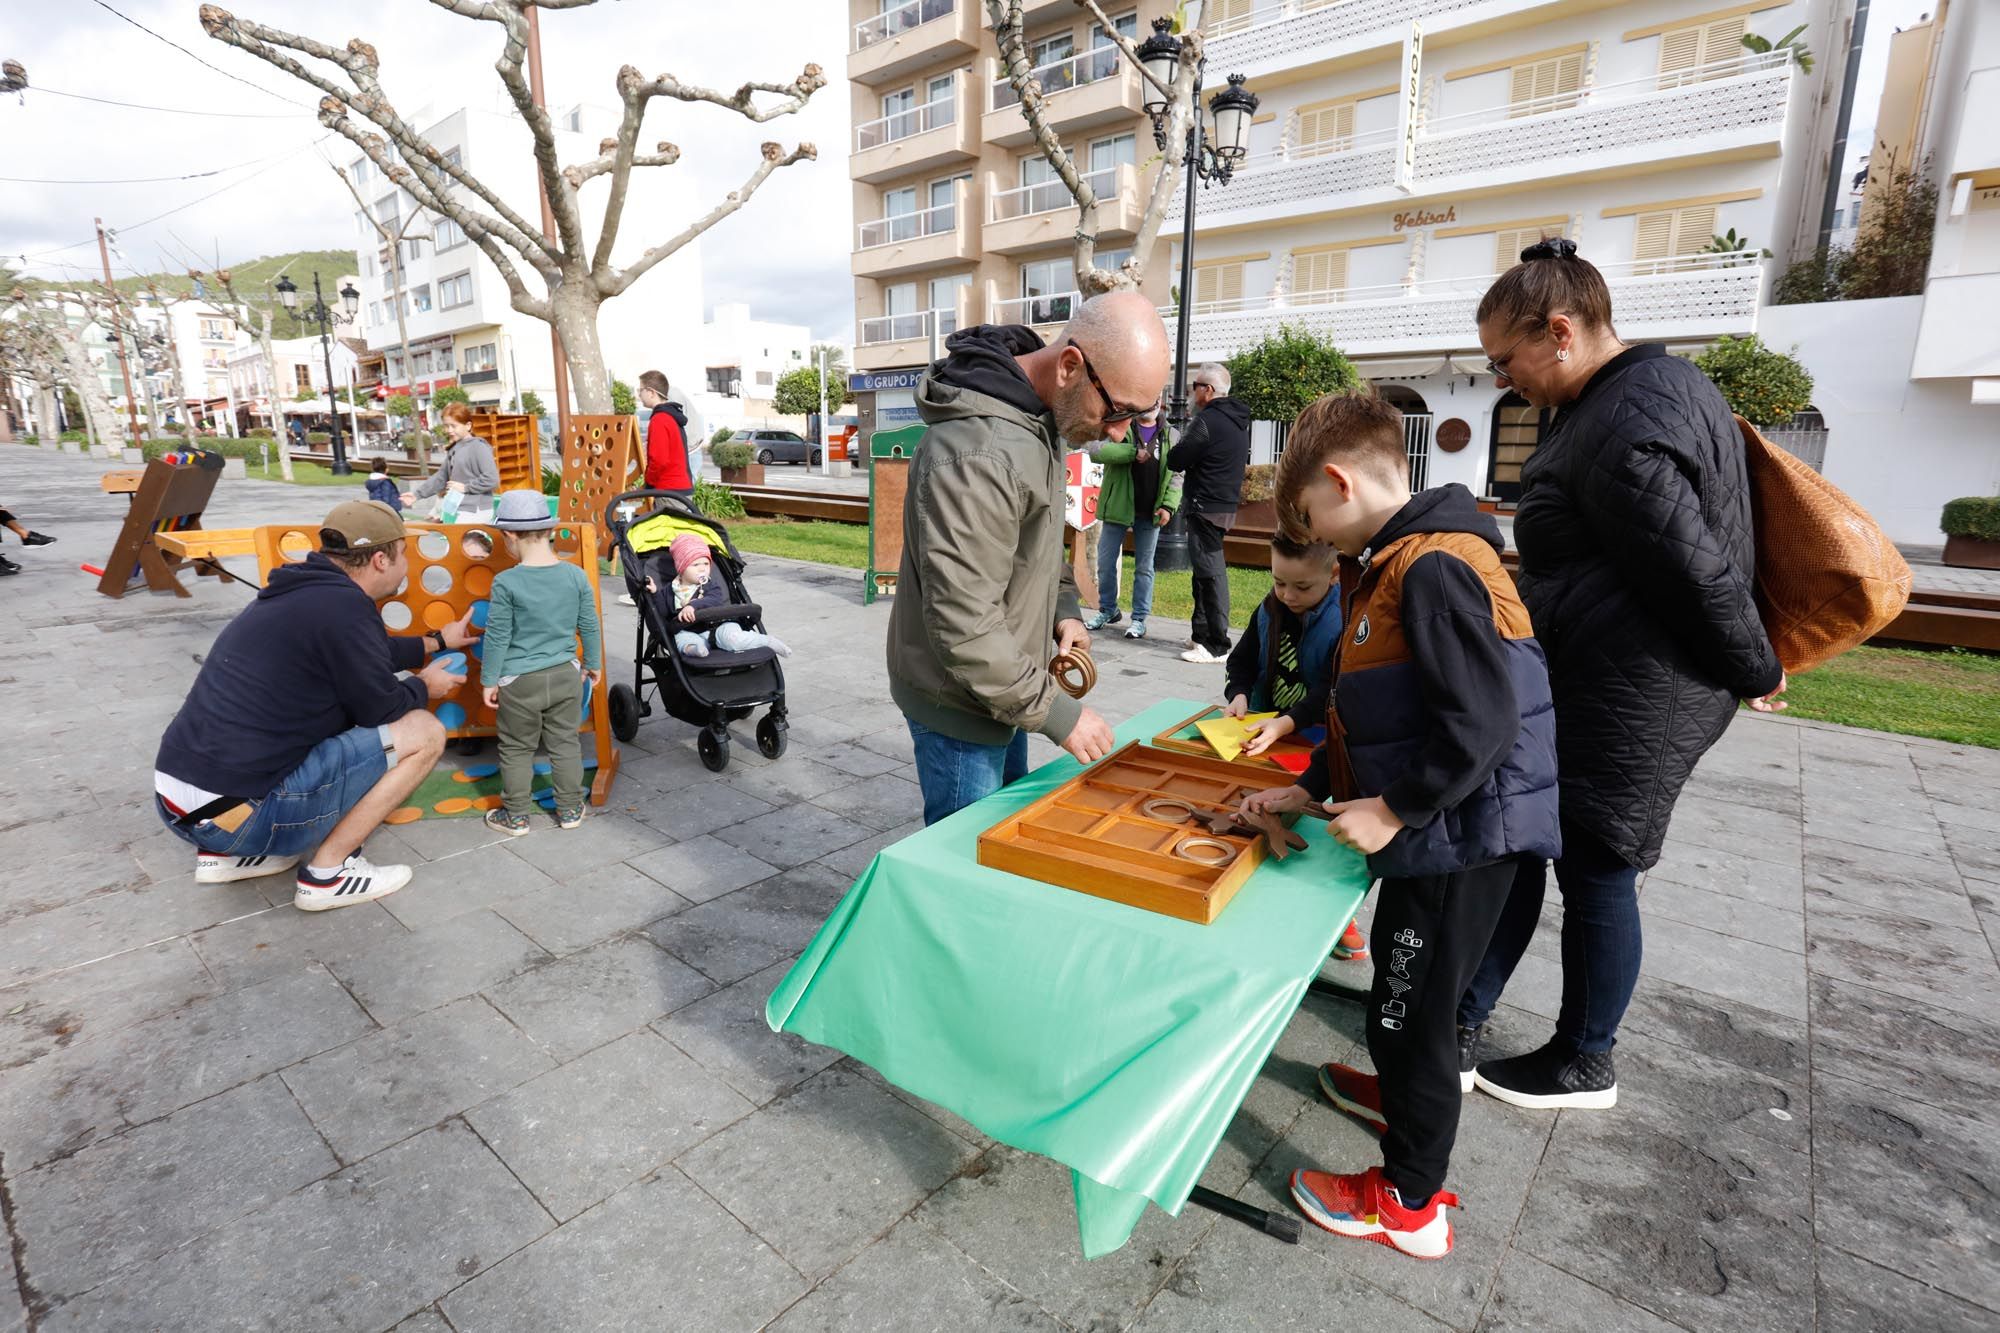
(904, 124)
(1060, 75)
(913, 327)
(1053, 308)
(1294, 26)
(1049, 196)
(1314, 171)
(900, 227)
(895, 22)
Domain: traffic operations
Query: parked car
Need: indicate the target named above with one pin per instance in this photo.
(779, 446)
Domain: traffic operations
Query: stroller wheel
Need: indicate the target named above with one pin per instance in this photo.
(714, 750)
(771, 736)
(624, 712)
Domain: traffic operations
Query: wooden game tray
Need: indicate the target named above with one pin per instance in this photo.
(1268, 772)
(1092, 834)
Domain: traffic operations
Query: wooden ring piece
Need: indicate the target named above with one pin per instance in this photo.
(1205, 851)
(1181, 811)
(1075, 672)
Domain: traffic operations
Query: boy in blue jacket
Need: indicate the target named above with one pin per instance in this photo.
(381, 488)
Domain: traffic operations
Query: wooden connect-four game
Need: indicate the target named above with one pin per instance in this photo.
(1134, 829)
(598, 453)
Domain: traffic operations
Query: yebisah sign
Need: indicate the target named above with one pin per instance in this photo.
(1425, 217)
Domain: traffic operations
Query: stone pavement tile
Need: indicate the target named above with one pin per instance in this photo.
(747, 931)
(911, 1281)
(1905, 955)
(1867, 865)
(253, 948)
(1534, 1297)
(1975, 851)
(1856, 1296)
(726, 1034)
(358, 1250)
(853, 860)
(703, 868)
(1766, 882)
(1778, 793)
(81, 872)
(109, 922)
(1237, 1278)
(132, 1198)
(38, 1017)
(590, 907)
(425, 968)
(821, 731)
(95, 1088)
(1735, 969)
(1684, 1091)
(603, 992)
(794, 834)
(1737, 917)
(1844, 796)
(1908, 1186)
(893, 741)
(1925, 840)
(1769, 1044)
(792, 779)
(858, 760)
(1934, 1055)
(662, 771)
(820, 1173)
(696, 807)
(391, 1083)
(1014, 1214)
(589, 1128)
(656, 1247)
(427, 1320)
(162, 855)
(600, 841)
(951, 1120)
(1954, 816)
(1743, 830)
(489, 876)
(436, 839)
(1706, 1227)
(1268, 1112)
(880, 802)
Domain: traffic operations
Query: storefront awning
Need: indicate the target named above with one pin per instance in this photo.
(1417, 367)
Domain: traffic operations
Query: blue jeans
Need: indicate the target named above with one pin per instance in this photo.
(953, 773)
(1601, 946)
(302, 809)
(1110, 546)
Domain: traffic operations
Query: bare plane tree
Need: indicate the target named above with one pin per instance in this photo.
(48, 311)
(1005, 20)
(577, 274)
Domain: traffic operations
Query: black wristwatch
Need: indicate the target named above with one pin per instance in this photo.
(437, 634)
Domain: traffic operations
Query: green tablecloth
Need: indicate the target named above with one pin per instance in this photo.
(1117, 1041)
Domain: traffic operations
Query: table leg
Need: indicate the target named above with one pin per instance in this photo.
(1284, 1228)
(1334, 990)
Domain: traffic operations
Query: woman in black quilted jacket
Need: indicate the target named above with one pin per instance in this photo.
(1636, 561)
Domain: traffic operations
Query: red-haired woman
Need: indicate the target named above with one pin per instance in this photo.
(468, 470)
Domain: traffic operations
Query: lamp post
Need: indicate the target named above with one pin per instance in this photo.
(350, 300)
(1211, 160)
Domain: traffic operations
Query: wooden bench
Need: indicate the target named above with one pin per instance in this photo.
(398, 467)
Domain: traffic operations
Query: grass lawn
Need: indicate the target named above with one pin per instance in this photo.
(1949, 696)
(310, 474)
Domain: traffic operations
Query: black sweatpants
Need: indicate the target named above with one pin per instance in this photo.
(1211, 584)
(1428, 939)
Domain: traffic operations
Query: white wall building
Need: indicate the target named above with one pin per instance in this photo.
(462, 326)
(301, 368)
(1390, 178)
(744, 360)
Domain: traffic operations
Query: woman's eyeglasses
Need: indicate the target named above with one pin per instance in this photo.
(1498, 365)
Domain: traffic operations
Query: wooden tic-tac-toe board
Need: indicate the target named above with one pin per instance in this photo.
(1132, 829)
(452, 567)
(597, 455)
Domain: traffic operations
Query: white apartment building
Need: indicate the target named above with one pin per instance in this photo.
(745, 360)
(1405, 151)
(301, 368)
(462, 326)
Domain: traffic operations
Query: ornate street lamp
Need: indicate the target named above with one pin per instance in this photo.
(350, 300)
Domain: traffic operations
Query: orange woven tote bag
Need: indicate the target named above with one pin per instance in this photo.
(1828, 577)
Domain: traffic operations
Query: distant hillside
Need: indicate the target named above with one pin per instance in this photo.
(255, 278)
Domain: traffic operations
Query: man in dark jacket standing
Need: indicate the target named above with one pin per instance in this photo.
(298, 736)
(983, 593)
(1212, 456)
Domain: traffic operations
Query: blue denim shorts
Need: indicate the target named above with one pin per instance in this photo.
(303, 808)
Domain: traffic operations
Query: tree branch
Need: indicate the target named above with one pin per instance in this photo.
(1127, 45)
(774, 157)
(742, 101)
(1007, 32)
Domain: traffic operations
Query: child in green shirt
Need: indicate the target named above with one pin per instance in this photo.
(529, 666)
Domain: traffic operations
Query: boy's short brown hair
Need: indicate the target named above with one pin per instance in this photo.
(1353, 429)
(656, 380)
(1319, 553)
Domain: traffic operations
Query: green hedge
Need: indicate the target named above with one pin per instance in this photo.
(1974, 516)
(717, 501)
(226, 446)
(733, 455)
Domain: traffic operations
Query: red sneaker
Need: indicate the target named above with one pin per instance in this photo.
(1366, 1207)
(1353, 946)
(1358, 1094)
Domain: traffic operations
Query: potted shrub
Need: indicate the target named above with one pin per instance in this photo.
(1257, 509)
(739, 464)
(1972, 532)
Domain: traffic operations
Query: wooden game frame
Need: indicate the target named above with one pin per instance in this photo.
(168, 494)
(1093, 834)
(598, 454)
(889, 455)
(1171, 741)
(419, 606)
(516, 444)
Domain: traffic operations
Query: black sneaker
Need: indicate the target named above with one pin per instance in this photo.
(8, 567)
(37, 539)
(1468, 1055)
(1551, 1079)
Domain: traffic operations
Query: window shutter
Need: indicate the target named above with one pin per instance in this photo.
(1655, 236)
(1319, 274)
(1694, 229)
(1508, 245)
(1327, 130)
(1524, 85)
(1232, 12)
(1544, 79)
(1218, 283)
(1680, 50)
(1723, 40)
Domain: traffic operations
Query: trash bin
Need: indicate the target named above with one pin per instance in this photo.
(1170, 556)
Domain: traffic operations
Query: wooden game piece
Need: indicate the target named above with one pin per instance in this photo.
(1074, 671)
(1265, 764)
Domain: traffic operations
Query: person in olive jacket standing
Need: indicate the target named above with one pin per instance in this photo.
(1211, 455)
(1637, 556)
(983, 595)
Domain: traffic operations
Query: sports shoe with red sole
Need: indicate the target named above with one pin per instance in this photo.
(1358, 1094)
(1353, 946)
(1365, 1207)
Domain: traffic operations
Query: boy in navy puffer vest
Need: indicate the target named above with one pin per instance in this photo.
(1440, 755)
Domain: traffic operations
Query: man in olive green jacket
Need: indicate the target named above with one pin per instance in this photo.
(1138, 495)
(983, 595)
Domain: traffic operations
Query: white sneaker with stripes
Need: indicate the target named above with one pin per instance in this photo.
(355, 882)
(228, 869)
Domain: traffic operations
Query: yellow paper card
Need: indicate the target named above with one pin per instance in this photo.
(1229, 734)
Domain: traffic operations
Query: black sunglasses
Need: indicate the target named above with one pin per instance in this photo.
(1113, 413)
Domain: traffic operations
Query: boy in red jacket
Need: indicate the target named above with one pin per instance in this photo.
(666, 439)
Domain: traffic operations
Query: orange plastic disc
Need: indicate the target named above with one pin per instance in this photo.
(488, 803)
(408, 814)
(453, 805)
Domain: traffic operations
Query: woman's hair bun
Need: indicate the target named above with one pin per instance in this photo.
(1553, 247)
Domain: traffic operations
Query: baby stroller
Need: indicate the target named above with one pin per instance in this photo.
(707, 692)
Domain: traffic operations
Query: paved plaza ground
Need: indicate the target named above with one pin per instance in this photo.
(535, 1091)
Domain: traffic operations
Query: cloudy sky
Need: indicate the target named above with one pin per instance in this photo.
(785, 253)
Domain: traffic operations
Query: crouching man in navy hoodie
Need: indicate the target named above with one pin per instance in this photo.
(298, 736)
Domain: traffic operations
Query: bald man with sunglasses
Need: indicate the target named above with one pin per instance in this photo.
(984, 596)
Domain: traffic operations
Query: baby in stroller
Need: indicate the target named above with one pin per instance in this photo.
(695, 587)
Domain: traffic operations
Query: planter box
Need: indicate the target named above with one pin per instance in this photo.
(1259, 515)
(751, 474)
(1971, 553)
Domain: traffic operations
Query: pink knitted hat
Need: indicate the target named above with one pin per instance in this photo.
(688, 548)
